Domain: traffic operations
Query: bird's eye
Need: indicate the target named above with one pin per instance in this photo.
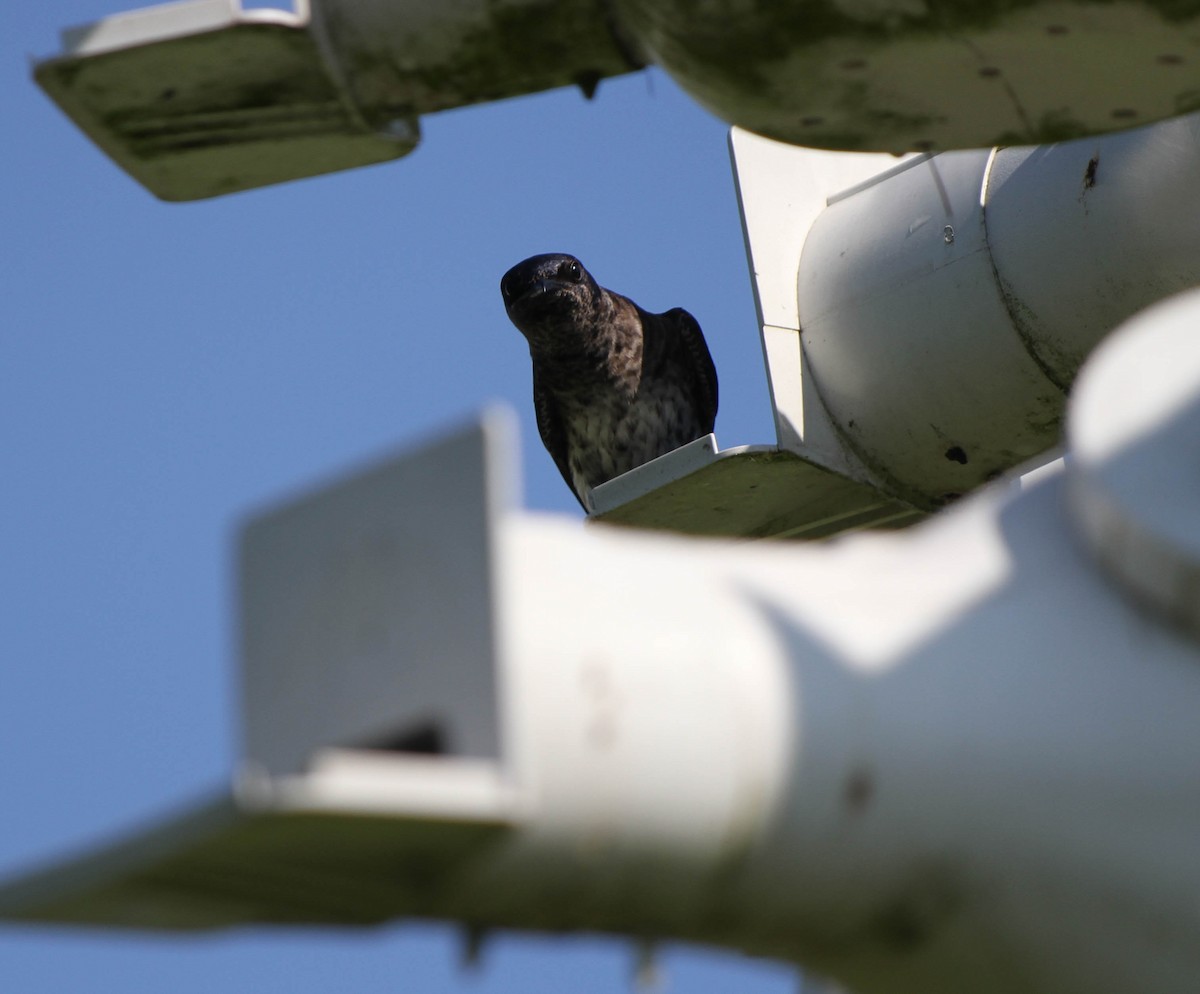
(571, 271)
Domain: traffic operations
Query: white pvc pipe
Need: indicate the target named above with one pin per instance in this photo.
(964, 755)
(961, 751)
(945, 306)
(1085, 234)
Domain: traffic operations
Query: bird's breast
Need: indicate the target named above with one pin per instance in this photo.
(612, 434)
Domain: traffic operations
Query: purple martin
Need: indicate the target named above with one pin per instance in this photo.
(613, 385)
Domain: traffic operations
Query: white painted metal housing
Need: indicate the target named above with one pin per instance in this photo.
(923, 323)
(201, 98)
(964, 750)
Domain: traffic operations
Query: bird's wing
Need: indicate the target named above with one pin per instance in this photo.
(550, 427)
(698, 360)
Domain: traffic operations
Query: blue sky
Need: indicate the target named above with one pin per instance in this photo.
(167, 369)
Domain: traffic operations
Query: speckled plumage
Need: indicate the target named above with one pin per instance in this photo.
(613, 386)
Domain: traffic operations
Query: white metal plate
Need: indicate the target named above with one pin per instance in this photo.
(370, 595)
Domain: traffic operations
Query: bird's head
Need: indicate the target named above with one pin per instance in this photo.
(548, 297)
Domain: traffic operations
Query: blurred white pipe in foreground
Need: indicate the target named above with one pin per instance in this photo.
(960, 757)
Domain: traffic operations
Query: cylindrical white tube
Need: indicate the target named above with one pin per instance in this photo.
(909, 339)
(959, 751)
(1084, 234)
(946, 305)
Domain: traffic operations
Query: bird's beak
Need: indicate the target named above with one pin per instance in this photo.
(535, 292)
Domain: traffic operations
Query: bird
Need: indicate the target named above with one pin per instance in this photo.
(614, 386)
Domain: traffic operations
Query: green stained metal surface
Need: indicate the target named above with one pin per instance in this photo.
(501, 50)
(895, 75)
(197, 113)
(217, 112)
(221, 868)
(762, 494)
